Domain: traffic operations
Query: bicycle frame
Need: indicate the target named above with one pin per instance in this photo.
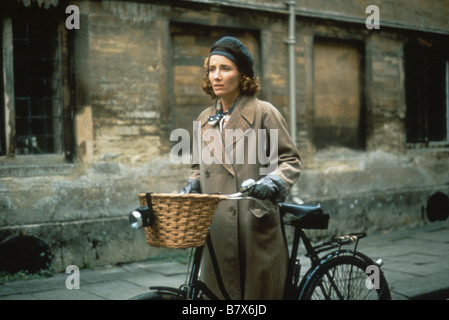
(192, 289)
(303, 217)
(195, 287)
(293, 270)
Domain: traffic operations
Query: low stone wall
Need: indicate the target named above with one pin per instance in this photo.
(87, 243)
(83, 217)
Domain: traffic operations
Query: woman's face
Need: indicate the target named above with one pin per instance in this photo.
(224, 77)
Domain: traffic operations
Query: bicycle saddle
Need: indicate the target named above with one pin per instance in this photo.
(309, 216)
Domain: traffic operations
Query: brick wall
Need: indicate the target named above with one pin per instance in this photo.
(138, 66)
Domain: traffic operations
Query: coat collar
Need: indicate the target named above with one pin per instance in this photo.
(242, 118)
(245, 110)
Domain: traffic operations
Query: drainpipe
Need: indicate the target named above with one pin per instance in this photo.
(291, 66)
(291, 42)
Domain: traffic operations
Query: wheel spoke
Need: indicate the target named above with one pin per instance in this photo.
(342, 278)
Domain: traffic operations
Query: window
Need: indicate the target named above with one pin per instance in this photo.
(339, 116)
(2, 107)
(35, 65)
(427, 71)
(37, 87)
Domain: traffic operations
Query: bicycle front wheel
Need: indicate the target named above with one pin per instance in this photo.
(344, 277)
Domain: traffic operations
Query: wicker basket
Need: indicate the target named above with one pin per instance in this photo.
(181, 220)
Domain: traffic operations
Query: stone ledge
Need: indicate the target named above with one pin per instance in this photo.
(88, 243)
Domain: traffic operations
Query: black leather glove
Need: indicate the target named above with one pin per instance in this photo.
(193, 186)
(270, 187)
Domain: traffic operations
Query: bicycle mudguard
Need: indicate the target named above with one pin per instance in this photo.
(308, 216)
(363, 259)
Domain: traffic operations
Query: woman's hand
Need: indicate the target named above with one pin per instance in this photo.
(193, 186)
(270, 187)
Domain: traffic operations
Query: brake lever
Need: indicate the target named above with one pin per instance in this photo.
(245, 190)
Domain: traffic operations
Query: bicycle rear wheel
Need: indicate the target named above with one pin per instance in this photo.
(172, 294)
(344, 277)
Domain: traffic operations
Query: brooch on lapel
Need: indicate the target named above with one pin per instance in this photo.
(213, 120)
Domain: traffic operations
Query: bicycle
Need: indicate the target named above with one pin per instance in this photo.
(340, 274)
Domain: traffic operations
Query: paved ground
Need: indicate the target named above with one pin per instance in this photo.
(416, 265)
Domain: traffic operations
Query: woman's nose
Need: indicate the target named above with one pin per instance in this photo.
(216, 75)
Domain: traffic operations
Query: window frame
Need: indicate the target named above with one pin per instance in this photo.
(415, 50)
(358, 140)
(8, 105)
(446, 142)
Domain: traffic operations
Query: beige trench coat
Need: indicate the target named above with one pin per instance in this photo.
(248, 240)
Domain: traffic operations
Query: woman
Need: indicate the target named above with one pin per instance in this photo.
(248, 239)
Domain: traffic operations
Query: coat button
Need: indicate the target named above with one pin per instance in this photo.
(207, 173)
(233, 211)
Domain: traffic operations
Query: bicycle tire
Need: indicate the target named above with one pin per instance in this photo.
(158, 295)
(342, 277)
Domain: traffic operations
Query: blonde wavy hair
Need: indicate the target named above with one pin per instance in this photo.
(248, 86)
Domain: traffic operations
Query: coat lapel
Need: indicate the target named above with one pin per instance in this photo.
(213, 142)
(242, 119)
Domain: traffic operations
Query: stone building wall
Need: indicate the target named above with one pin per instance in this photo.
(134, 75)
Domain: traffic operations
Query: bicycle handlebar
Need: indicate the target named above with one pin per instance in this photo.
(245, 189)
(141, 216)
